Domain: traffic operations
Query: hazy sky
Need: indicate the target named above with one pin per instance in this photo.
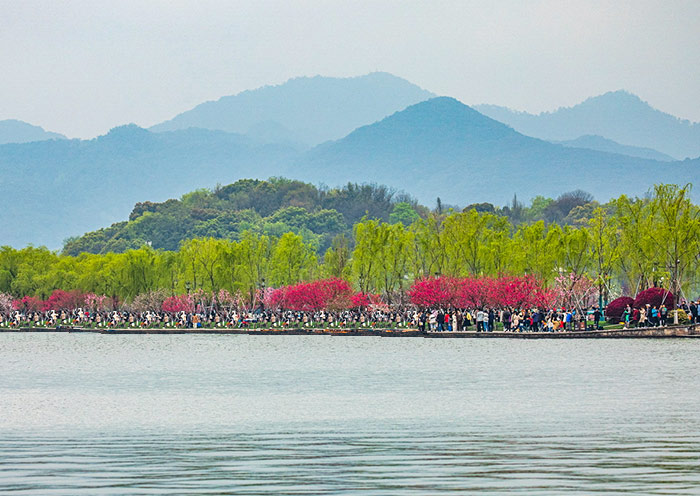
(83, 67)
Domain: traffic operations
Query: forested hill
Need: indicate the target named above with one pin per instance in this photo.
(277, 206)
(271, 207)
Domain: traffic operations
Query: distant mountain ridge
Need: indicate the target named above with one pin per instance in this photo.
(50, 190)
(616, 115)
(443, 148)
(594, 142)
(15, 131)
(314, 109)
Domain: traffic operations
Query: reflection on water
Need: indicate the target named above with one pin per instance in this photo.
(327, 462)
(83, 415)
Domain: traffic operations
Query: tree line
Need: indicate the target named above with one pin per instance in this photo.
(621, 247)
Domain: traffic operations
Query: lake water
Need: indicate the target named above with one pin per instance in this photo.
(84, 414)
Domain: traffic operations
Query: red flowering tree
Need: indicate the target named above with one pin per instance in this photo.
(542, 297)
(181, 303)
(474, 292)
(328, 294)
(519, 292)
(615, 309)
(360, 300)
(654, 297)
(433, 291)
(64, 300)
(28, 303)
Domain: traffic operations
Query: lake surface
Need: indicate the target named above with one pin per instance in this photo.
(84, 414)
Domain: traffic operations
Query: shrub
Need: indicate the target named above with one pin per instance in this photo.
(654, 297)
(683, 318)
(615, 309)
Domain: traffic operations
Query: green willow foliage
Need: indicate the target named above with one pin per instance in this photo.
(624, 246)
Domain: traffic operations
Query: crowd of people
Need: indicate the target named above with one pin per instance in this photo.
(653, 315)
(510, 320)
(435, 320)
(425, 320)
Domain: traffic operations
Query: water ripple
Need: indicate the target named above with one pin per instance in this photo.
(348, 463)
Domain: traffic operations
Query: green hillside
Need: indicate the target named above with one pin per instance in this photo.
(272, 207)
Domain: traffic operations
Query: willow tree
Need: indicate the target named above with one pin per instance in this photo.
(676, 232)
(393, 258)
(639, 252)
(336, 260)
(428, 252)
(369, 237)
(134, 272)
(467, 237)
(292, 260)
(251, 259)
(533, 251)
(605, 251)
(207, 259)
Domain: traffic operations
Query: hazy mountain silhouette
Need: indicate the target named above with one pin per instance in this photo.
(51, 190)
(269, 132)
(315, 109)
(14, 131)
(444, 148)
(617, 115)
(593, 142)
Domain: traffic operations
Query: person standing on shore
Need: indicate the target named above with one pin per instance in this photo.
(506, 319)
(569, 319)
(479, 320)
(597, 314)
(432, 320)
(694, 311)
(642, 317)
(440, 319)
(663, 315)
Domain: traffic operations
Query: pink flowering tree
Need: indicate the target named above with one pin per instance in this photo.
(149, 301)
(574, 291)
(6, 303)
(229, 301)
(268, 297)
(97, 302)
